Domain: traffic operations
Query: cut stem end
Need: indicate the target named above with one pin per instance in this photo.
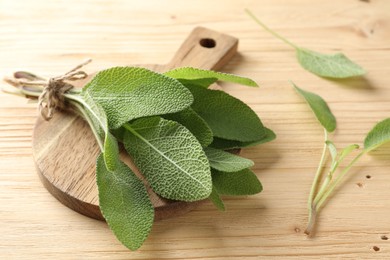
(312, 220)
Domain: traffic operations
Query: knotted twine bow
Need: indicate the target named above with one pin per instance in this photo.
(53, 90)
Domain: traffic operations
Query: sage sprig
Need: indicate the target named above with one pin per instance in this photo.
(171, 125)
(320, 192)
(337, 66)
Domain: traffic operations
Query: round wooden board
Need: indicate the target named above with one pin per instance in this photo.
(65, 149)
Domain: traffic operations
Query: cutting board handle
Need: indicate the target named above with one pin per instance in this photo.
(205, 49)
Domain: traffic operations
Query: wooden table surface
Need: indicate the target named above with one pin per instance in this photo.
(50, 37)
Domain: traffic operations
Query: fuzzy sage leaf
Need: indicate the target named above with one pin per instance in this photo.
(346, 151)
(226, 162)
(379, 135)
(328, 65)
(239, 183)
(336, 66)
(193, 122)
(170, 157)
(188, 73)
(125, 204)
(320, 109)
(127, 93)
(216, 199)
(225, 144)
(332, 150)
(203, 82)
(228, 117)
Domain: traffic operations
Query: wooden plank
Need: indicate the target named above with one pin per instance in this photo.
(50, 37)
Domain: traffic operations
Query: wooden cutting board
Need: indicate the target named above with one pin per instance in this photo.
(65, 149)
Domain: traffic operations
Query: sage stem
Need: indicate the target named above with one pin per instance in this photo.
(334, 184)
(318, 174)
(314, 186)
(323, 188)
(265, 27)
(90, 123)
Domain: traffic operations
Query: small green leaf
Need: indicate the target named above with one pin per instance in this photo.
(332, 149)
(337, 158)
(204, 82)
(193, 122)
(127, 93)
(333, 152)
(328, 65)
(189, 73)
(324, 65)
(225, 144)
(347, 150)
(119, 133)
(320, 109)
(124, 203)
(111, 152)
(170, 157)
(379, 135)
(244, 182)
(228, 117)
(216, 200)
(226, 162)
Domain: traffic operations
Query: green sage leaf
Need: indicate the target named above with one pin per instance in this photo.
(228, 117)
(344, 153)
(347, 150)
(170, 157)
(127, 93)
(324, 65)
(320, 109)
(193, 122)
(378, 136)
(225, 144)
(332, 149)
(333, 153)
(189, 73)
(216, 200)
(226, 162)
(111, 152)
(328, 65)
(119, 133)
(124, 203)
(244, 182)
(203, 82)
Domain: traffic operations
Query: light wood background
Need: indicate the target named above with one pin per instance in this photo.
(50, 37)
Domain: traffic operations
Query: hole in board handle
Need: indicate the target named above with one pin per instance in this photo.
(207, 43)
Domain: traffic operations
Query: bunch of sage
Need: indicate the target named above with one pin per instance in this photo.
(377, 136)
(172, 125)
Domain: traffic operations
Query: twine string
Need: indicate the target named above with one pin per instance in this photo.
(52, 96)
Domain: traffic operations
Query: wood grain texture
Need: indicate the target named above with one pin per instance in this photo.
(65, 149)
(49, 37)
